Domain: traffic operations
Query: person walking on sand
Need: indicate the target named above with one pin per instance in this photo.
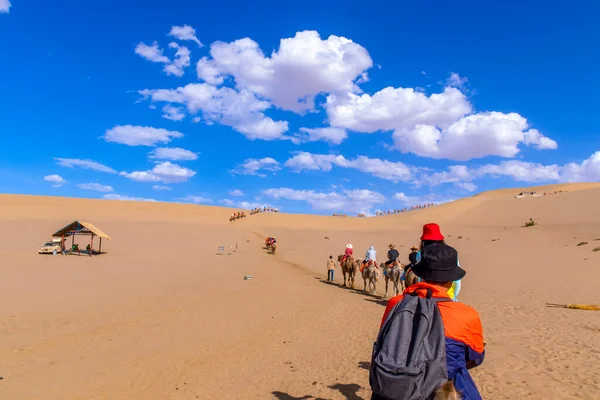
(432, 234)
(461, 337)
(330, 269)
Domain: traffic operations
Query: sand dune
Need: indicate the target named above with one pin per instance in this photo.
(161, 316)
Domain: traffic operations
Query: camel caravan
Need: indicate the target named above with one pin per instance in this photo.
(406, 209)
(399, 274)
(237, 215)
(259, 210)
(339, 215)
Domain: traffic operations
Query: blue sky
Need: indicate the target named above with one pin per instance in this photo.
(312, 107)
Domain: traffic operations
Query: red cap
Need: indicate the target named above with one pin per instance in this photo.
(432, 232)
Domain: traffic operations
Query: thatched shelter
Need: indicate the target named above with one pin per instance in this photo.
(77, 228)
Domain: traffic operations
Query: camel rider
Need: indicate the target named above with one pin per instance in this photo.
(348, 252)
(392, 258)
(370, 257)
(392, 255)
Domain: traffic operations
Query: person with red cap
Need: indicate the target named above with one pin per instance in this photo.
(433, 234)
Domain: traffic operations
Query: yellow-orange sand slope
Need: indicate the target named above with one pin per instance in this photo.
(162, 316)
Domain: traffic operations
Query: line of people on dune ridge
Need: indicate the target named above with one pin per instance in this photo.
(406, 209)
(242, 214)
(428, 339)
(264, 209)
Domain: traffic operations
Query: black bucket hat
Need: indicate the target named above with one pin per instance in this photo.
(439, 263)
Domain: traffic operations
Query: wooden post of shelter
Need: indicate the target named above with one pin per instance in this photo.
(100, 248)
(91, 245)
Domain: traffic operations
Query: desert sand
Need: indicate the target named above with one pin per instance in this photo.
(162, 316)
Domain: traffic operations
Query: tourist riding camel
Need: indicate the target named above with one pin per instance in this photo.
(348, 252)
(432, 234)
(269, 241)
(392, 255)
(370, 258)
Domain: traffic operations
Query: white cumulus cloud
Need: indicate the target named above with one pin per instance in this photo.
(155, 54)
(161, 187)
(95, 187)
(139, 135)
(473, 136)
(5, 6)
(463, 176)
(172, 153)
(165, 172)
(196, 199)
(396, 108)
(242, 111)
(173, 113)
(457, 81)
(151, 52)
(236, 193)
(180, 62)
(303, 67)
(185, 32)
(327, 134)
(358, 200)
(84, 164)
(586, 171)
(57, 180)
(393, 171)
(254, 166)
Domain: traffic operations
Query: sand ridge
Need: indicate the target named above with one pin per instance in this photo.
(161, 316)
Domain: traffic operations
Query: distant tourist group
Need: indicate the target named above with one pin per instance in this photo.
(555, 192)
(242, 214)
(264, 209)
(406, 209)
(339, 215)
(237, 215)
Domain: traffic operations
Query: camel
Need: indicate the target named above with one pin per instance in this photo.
(410, 278)
(395, 275)
(447, 392)
(371, 274)
(348, 267)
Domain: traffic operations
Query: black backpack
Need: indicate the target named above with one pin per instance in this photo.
(409, 356)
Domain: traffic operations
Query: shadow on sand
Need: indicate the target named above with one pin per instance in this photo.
(374, 298)
(349, 391)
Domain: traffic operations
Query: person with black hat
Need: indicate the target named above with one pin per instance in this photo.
(438, 269)
(432, 234)
(392, 255)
